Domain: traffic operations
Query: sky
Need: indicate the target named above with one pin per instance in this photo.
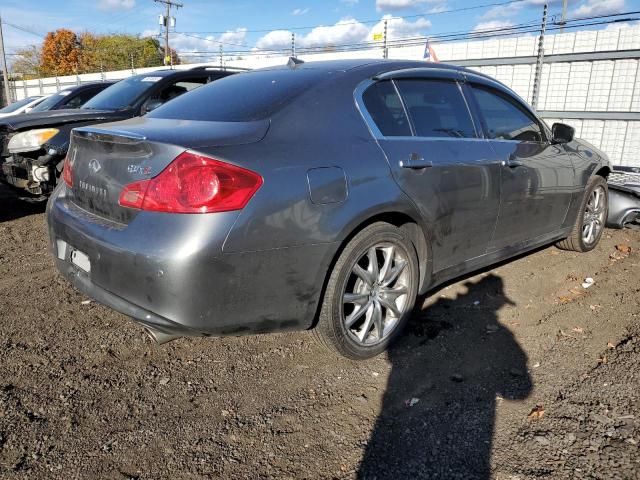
(203, 25)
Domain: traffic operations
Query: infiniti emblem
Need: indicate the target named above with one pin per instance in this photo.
(94, 165)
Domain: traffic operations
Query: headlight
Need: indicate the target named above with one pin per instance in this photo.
(30, 140)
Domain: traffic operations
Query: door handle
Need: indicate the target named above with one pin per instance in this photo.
(416, 162)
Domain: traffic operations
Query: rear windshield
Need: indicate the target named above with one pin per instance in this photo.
(242, 97)
(123, 94)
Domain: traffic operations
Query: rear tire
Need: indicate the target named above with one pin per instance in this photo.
(591, 218)
(367, 303)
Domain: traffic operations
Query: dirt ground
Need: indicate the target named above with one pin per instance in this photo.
(515, 373)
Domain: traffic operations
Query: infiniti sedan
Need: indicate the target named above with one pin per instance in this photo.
(322, 196)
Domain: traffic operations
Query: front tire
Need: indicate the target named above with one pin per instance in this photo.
(370, 293)
(591, 219)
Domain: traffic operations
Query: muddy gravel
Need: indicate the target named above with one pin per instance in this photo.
(513, 373)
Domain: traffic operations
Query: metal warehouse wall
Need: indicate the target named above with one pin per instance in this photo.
(590, 79)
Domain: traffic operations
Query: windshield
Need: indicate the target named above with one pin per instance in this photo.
(49, 102)
(122, 94)
(16, 105)
(242, 97)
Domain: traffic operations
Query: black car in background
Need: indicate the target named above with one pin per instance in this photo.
(72, 97)
(33, 146)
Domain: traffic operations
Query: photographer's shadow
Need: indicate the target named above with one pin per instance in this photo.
(449, 368)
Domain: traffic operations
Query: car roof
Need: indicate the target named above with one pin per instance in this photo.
(75, 88)
(164, 73)
(350, 64)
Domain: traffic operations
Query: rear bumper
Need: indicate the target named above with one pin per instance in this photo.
(624, 197)
(168, 272)
(83, 283)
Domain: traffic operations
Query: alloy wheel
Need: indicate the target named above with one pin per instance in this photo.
(376, 293)
(593, 219)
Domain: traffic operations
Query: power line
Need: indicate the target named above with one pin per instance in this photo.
(445, 37)
(23, 29)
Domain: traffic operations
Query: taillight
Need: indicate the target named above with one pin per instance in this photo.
(67, 172)
(193, 183)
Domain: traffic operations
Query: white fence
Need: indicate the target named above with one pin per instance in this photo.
(590, 79)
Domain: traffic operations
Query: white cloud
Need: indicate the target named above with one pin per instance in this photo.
(186, 44)
(389, 5)
(346, 31)
(621, 25)
(300, 11)
(236, 36)
(116, 4)
(513, 9)
(492, 25)
(274, 40)
(599, 7)
(401, 28)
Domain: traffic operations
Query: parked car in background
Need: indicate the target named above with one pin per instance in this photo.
(321, 195)
(33, 146)
(71, 97)
(21, 106)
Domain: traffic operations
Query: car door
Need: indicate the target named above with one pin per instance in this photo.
(537, 176)
(438, 159)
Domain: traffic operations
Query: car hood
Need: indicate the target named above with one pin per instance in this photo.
(57, 117)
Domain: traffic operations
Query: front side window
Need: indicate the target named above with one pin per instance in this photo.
(504, 120)
(437, 108)
(383, 104)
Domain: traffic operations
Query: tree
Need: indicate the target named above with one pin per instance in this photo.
(26, 63)
(117, 52)
(60, 53)
(65, 53)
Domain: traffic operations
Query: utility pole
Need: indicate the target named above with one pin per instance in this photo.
(167, 22)
(563, 20)
(293, 45)
(5, 72)
(221, 63)
(385, 52)
(540, 59)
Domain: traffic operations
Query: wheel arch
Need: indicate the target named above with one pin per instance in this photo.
(409, 223)
(603, 171)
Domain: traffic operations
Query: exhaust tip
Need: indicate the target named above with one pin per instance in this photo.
(160, 337)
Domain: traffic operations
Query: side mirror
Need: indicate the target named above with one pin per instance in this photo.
(152, 105)
(561, 133)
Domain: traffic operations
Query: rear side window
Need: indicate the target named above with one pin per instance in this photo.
(383, 104)
(241, 97)
(436, 108)
(504, 120)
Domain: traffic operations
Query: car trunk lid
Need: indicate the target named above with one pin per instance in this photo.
(107, 158)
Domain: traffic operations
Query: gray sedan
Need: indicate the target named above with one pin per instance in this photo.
(322, 196)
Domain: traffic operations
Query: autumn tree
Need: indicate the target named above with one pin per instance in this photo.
(65, 53)
(60, 53)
